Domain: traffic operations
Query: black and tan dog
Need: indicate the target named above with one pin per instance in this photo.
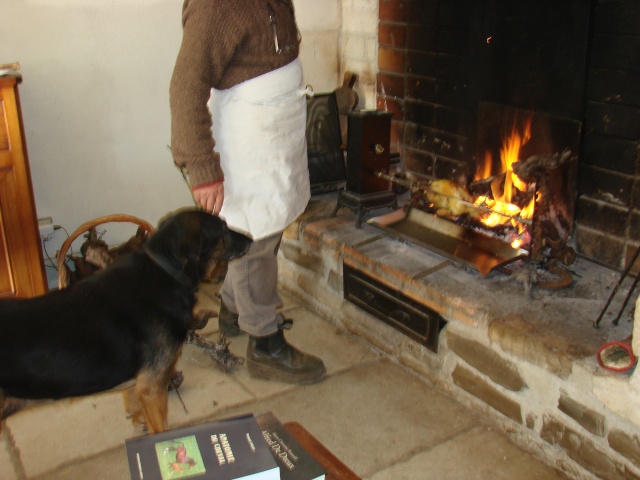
(126, 323)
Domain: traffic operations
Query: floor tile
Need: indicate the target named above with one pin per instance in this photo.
(479, 453)
(360, 414)
(56, 433)
(110, 465)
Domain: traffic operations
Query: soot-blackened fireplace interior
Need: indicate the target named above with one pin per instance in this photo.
(461, 76)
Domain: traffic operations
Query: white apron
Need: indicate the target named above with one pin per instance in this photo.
(259, 127)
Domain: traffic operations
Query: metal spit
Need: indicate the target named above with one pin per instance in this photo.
(416, 187)
(459, 243)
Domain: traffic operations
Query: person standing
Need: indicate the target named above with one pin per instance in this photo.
(245, 157)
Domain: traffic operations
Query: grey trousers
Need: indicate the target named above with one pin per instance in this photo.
(250, 287)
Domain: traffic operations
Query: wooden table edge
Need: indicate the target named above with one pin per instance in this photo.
(335, 469)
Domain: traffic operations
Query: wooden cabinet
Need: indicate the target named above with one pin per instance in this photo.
(22, 271)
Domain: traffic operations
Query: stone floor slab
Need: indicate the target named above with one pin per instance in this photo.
(479, 453)
(362, 414)
(53, 434)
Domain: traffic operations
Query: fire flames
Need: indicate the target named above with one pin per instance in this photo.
(505, 185)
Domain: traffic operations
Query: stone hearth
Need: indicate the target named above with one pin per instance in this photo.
(524, 358)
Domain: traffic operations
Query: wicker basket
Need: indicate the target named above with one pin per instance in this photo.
(118, 217)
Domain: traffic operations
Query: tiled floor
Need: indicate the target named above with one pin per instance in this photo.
(378, 418)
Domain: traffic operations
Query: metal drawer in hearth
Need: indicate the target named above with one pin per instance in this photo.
(411, 318)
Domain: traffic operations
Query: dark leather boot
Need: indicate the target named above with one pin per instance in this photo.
(228, 321)
(272, 358)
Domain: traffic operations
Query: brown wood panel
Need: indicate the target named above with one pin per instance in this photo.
(335, 469)
(22, 271)
(6, 283)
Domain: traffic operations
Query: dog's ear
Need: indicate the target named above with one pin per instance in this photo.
(190, 258)
(201, 232)
(178, 242)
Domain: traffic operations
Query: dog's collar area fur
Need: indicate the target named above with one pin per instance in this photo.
(175, 273)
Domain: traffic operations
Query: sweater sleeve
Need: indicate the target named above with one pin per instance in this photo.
(201, 61)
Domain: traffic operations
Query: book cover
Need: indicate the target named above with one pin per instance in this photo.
(228, 449)
(294, 461)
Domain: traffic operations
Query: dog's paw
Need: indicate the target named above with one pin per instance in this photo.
(201, 318)
(133, 409)
(138, 421)
(176, 380)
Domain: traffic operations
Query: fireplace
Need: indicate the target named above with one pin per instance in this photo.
(524, 357)
(513, 208)
(455, 72)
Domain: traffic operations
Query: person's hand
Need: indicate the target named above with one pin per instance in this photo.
(210, 197)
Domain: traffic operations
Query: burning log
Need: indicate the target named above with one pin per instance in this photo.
(552, 223)
(530, 169)
(483, 186)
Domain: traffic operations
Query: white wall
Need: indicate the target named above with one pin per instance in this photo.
(319, 22)
(359, 47)
(95, 99)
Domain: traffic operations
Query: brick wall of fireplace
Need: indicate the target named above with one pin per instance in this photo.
(578, 60)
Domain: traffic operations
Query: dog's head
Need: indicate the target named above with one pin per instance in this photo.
(190, 240)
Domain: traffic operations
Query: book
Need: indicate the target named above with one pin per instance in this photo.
(294, 461)
(228, 449)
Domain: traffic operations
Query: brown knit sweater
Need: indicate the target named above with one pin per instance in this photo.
(224, 43)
